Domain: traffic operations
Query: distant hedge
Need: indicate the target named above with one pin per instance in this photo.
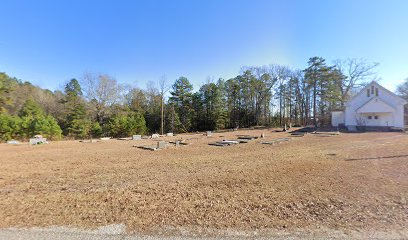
(31, 121)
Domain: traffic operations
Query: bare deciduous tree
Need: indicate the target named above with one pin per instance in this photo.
(356, 72)
(103, 91)
(280, 75)
(402, 89)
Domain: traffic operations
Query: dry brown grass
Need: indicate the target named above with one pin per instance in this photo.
(351, 181)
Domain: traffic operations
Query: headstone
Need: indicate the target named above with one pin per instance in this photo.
(229, 142)
(151, 148)
(155, 135)
(161, 144)
(35, 141)
(177, 143)
(282, 139)
(262, 135)
(208, 133)
(297, 134)
(218, 144)
(14, 142)
(248, 137)
(136, 137)
(169, 134)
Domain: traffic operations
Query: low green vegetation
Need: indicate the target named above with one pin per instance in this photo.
(31, 121)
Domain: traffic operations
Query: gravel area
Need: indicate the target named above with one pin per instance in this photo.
(65, 233)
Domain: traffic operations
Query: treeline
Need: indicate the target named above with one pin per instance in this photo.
(98, 105)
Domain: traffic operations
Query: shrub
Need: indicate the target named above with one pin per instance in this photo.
(9, 127)
(127, 125)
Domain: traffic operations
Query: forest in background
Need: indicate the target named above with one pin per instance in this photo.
(98, 105)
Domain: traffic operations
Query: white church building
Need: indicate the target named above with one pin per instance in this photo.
(373, 107)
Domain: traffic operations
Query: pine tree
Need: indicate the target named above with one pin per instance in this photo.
(5, 90)
(181, 97)
(35, 122)
(9, 127)
(213, 106)
(199, 115)
(314, 77)
(220, 106)
(233, 101)
(76, 124)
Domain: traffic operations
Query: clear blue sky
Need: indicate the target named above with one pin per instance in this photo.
(49, 42)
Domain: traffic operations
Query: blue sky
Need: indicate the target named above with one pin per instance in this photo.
(49, 42)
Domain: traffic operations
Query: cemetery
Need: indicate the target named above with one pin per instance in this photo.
(204, 120)
(209, 181)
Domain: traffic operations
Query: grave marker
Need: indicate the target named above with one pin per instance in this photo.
(161, 144)
(35, 141)
(137, 137)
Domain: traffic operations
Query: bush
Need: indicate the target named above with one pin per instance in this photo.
(96, 130)
(9, 127)
(34, 122)
(126, 125)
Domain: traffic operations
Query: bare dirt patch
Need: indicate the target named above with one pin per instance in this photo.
(345, 182)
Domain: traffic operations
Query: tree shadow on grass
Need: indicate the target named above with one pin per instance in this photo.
(376, 158)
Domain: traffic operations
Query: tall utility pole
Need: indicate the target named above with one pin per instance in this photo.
(163, 89)
(162, 114)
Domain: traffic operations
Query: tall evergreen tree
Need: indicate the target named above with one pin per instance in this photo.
(212, 98)
(232, 90)
(5, 90)
(77, 124)
(220, 106)
(314, 75)
(181, 98)
(199, 119)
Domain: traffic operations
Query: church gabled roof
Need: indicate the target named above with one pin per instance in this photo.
(375, 105)
(362, 91)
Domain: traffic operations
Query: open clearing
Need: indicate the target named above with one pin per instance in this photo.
(350, 182)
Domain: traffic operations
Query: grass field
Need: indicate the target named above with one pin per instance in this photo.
(353, 181)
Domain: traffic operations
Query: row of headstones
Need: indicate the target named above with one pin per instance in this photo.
(154, 136)
(33, 141)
